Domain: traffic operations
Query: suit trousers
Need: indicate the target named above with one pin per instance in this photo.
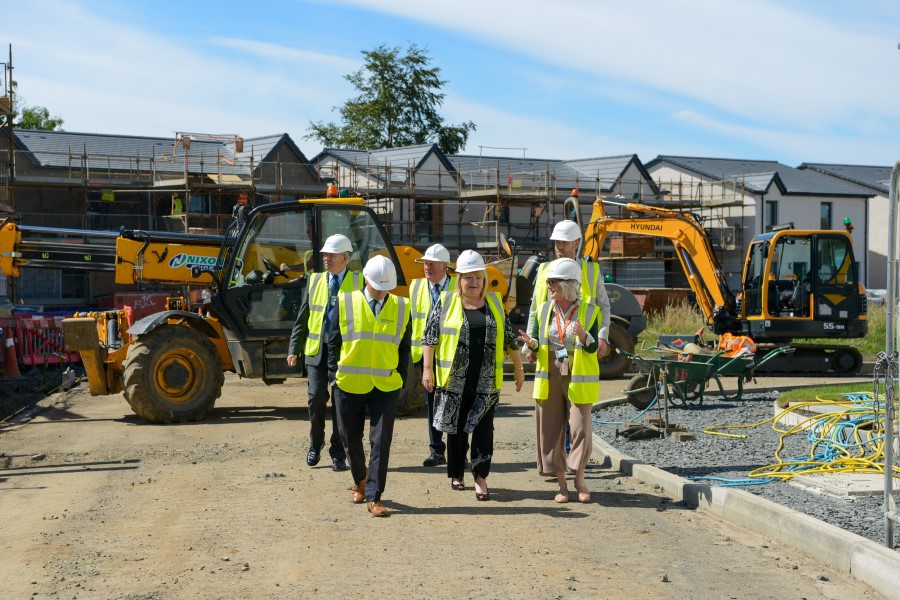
(351, 409)
(317, 387)
(435, 436)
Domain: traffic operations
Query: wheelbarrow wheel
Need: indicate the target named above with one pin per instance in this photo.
(640, 391)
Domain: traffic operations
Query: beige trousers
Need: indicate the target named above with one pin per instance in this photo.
(551, 416)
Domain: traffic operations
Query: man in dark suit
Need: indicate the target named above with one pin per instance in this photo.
(318, 308)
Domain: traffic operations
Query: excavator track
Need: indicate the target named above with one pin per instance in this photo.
(811, 359)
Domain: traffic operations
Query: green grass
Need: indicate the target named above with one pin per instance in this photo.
(682, 318)
(824, 392)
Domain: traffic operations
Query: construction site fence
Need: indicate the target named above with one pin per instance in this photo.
(38, 339)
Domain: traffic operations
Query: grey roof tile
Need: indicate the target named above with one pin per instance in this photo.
(873, 177)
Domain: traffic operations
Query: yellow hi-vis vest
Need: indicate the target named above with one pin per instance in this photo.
(370, 345)
(318, 303)
(591, 279)
(420, 298)
(584, 368)
(451, 324)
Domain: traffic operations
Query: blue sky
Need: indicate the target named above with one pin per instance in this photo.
(792, 81)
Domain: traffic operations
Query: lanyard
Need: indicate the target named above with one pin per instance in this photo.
(561, 329)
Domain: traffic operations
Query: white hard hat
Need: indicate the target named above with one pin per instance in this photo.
(381, 273)
(436, 253)
(566, 231)
(564, 268)
(336, 244)
(469, 262)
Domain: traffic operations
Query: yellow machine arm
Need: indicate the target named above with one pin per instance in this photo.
(684, 231)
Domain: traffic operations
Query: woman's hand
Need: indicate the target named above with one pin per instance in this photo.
(520, 378)
(428, 379)
(525, 339)
(579, 331)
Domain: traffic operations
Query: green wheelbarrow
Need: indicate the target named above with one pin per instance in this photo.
(688, 376)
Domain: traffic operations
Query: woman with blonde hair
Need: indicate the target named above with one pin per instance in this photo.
(567, 376)
(465, 339)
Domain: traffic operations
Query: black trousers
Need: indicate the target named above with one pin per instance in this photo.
(317, 387)
(482, 447)
(351, 419)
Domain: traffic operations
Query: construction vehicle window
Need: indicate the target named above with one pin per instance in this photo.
(753, 279)
(835, 266)
(362, 230)
(274, 240)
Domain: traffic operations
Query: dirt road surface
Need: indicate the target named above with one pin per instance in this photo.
(98, 504)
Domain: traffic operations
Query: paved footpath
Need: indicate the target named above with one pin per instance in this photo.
(98, 504)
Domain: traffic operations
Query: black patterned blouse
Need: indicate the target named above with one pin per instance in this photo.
(448, 400)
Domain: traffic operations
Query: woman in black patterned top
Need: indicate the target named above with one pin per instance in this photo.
(468, 322)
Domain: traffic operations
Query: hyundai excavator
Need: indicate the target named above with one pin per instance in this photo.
(796, 283)
(170, 365)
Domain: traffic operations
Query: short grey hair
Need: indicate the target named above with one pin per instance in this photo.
(571, 289)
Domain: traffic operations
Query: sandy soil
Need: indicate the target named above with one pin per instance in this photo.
(98, 504)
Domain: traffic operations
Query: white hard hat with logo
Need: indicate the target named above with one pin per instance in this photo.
(436, 253)
(564, 268)
(566, 231)
(470, 261)
(336, 244)
(381, 273)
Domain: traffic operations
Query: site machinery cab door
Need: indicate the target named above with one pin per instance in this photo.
(258, 301)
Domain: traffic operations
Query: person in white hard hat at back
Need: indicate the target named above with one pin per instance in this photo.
(423, 295)
(466, 337)
(567, 375)
(368, 361)
(566, 238)
(318, 308)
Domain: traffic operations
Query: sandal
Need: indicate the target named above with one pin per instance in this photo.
(561, 497)
(459, 486)
(482, 497)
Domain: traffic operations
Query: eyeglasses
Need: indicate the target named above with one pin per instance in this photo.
(554, 281)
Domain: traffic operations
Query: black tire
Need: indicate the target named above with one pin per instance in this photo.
(172, 375)
(640, 391)
(616, 364)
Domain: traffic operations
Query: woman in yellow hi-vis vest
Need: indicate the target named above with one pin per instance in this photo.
(567, 376)
(368, 357)
(465, 339)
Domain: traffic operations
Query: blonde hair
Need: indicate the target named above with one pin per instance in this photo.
(571, 289)
(483, 276)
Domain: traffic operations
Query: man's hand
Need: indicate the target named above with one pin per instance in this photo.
(292, 360)
(602, 349)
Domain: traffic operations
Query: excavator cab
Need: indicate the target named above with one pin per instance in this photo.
(802, 284)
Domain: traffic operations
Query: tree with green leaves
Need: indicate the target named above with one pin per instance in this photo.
(398, 102)
(32, 117)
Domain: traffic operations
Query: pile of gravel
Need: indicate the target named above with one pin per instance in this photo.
(731, 458)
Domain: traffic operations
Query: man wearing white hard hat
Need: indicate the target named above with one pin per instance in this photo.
(423, 295)
(318, 308)
(368, 361)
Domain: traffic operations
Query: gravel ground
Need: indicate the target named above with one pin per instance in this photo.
(731, 458)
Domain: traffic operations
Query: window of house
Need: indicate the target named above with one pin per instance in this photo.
(771, 215)
(825, 215)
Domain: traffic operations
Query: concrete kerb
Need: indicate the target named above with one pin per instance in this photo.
(876, 565)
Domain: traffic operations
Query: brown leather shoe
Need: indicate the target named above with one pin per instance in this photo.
(359, 492)
(377, 509)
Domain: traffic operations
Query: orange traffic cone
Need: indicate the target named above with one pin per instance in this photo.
(11, 363)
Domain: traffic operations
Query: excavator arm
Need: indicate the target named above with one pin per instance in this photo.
(692, 247)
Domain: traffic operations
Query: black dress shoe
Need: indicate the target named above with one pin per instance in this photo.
(338, 464)
(434, 460)
(312, 459)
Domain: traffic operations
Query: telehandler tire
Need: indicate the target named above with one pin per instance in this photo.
(615, 365)
(172, 374)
